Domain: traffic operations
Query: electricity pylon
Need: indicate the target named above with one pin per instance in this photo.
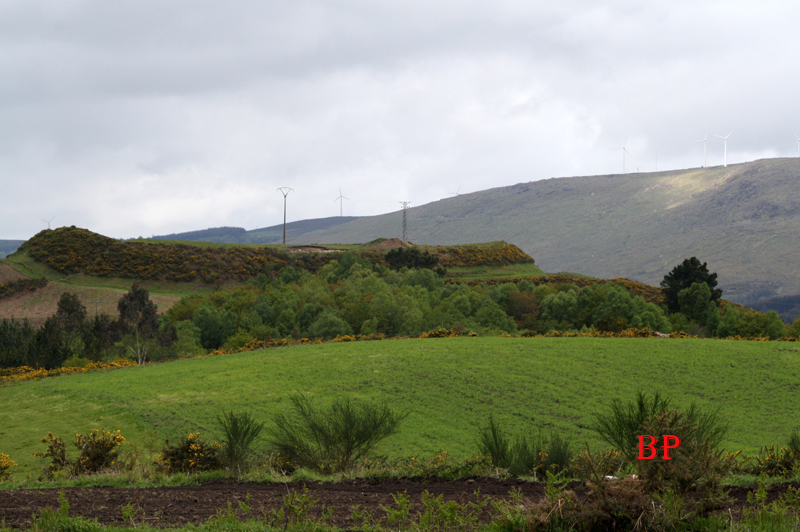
(405, 205)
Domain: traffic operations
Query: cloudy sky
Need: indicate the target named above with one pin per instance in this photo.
(150, 117)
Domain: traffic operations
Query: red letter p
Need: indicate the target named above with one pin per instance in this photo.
(667, 446)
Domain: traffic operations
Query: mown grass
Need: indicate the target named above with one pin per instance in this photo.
(449, 386)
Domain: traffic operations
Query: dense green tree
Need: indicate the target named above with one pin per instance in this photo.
(683, 276)
(138, 316)
(693, 302)
(215, 326)
(47, 349)
(749, 324)
(328, 325)
(71, 316)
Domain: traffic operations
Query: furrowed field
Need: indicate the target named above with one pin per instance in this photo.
(449, 386)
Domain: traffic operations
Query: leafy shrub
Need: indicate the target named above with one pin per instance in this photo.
(191, 454)
(333, 439)
(6, 463)
(240, 431)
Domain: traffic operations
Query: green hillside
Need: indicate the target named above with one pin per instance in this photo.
(743, 220)
(449, 386)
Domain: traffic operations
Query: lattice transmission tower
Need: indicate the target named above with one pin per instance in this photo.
(405, 205)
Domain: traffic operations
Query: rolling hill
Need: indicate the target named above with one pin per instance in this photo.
(265, 235)
(743, 219)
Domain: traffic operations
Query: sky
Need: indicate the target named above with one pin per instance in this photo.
(141, 118)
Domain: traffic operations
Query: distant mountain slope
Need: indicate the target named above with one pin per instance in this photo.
(265, 235)
(744, 220)
(7, 247)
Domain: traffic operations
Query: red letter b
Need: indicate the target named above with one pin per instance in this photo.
(649, 445)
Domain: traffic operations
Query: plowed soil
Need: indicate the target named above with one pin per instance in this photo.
(176, 506)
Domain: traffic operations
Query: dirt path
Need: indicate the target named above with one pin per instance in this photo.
(175, 506)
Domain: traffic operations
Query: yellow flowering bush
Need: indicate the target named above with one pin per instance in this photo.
(6, 463)
(26, 373)
(98, 450)
(192, 453)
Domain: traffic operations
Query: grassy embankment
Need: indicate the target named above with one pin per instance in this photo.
(449, 386)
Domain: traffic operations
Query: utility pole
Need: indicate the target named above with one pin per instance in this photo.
(405, 205)
(285, 191)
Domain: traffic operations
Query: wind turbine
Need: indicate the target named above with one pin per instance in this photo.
(340, 199)
(704, 140)
(725, 138)
(48, 221)
(457, 191)
(798, 144)
(624, 151)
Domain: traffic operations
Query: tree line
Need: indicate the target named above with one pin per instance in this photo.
(354, 296)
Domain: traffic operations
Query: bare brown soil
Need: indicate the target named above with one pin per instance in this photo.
(176, 506)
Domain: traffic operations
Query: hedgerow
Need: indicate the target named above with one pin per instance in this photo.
(13, 287)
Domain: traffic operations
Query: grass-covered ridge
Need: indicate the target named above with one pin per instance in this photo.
(69, 250)
(449, 386)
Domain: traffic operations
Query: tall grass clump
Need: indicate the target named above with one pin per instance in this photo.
(240, 431)
(332, 439)
(524, 454)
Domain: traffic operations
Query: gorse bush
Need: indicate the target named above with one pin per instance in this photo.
(6, 463)
(700, 434)
(621, 427)
(239, 430)
(334, 439)
(98, 451)
(695, 459)
(191, 454)
(524, 454)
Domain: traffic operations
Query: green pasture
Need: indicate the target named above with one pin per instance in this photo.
(449, 386)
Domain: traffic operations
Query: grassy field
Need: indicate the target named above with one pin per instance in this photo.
(449, 386)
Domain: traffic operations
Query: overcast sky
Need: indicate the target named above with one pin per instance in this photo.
(151, 117)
